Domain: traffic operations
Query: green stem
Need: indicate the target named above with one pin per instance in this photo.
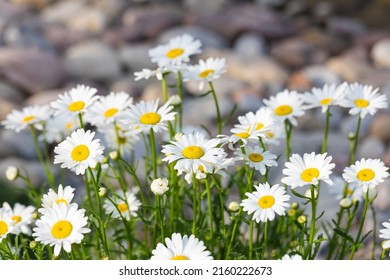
(194, 202)
(210, 209)
(289, 129)
(160, 217)
(313, 200)
(180, 93)
(164, 88)
(265, 240)
(251, 239)
(355, 144)
(81, 120)
(234, 230)
(219, 119)
(154, 154)
(326, 132)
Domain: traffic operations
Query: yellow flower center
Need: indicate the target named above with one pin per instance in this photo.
(255, 157)
(201, 169)
(361, 103)
(16, 219)
(76, 106)
(259, 126)
(68, 125)
(122, 207)
(365, 175)
(270, 135)
(28, 119)
(206, 73)
(150, 118)
(325, 101)
(309, 174)
(61, 229)
(242, 135)
(122, 140)
(173, 53)
(266, 201)
(180, 258)
(61, 200)
(349, 191)
(3, 228)
(110, 112)
(193, 152)
(283, 110)
(80, 153)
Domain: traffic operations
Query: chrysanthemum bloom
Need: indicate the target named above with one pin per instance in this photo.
(75, 101)
(79, 151)
(126, 207)
(159, 186)
(385, 233)
(30, 116)
(193, 151)
(146, 115)
(6, 223)
(265, 202)
(286, 105)
(311, 169)
(363, 100)
(22, 217)
(366, 173)
(257, 158)
(59, 127)
(61, 226)
(328, 95)
(63, 195)
(205, 71)
(178, 50)
(181, 248)
(108, 109)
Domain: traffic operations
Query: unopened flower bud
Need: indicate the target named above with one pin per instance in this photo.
(308, 194)
(346, 203)
(103, 192)
(294, 243)
(159, 186)
(35, 215)
(12, 173)
(291, 212)
(175, 100)
(302, 219)
(294, 205)
(384, 245)
(104, 160)
(234, 206)
(178, 136)
(114, 155)
(351, 136)
(33, 244)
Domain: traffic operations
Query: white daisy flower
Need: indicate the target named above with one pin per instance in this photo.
(385, 234)
(61, 226)
(148, 73)
(125, 207)
(119, 139)
(159, 186)
(30, 116)
(363, 100)
(255, 157)
(22, 217)
(192, 151)
(146, 115)
(353, 191)
(59, 127)
(6, 224)
(242, 134)
(108, 109)
(75, 101)
(311, 169)
(178, 50)
(276, 133)
(205, 71)
(325, 97)
(292, 257)
(63, 195)
(181, 248)
(265, 202)
(286, 105)
(366, 173)
(79, 151)
(262, 121)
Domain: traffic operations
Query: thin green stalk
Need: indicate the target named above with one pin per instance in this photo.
(164, 87)
(81, 120)
(355, 144)
(372, 207)
(194, 202)
(265, 242)
(180, 93)
(289, 129)
(251, 239)
(326, 132)
(210, 209)
(313, 200)
(160, 216)
(234, 230)
(383, 255)
(219, 119)
(154, 154)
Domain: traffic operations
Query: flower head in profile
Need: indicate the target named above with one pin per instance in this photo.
(385, 234)
(148, 73)
(366, 173)
(205, 71)
(177, 51)
(75, 101)
(292, 257)
(126, 207)
(22, 217)
(118, 138)
(257, 158)
(328, 95)
(363, 100)
(59, 127)
(61, 226)
(181, 248)
(286, 105)
(6, 224)
(266, 202)
(33, 116)
(79, 151)
(147, 115)
(193, 151)
(309, 170)
(108, 109)
(62, 196)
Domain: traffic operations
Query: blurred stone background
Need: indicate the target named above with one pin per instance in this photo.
(48, 46)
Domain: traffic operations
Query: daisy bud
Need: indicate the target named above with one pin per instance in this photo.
(294, 205)
(294, 243)
(234, 206)
(175, 100)
(104, 160)
(346, 203)
(308, 194)
(351, 136)
(102, 192)
(33, 244)
(35, 215)
(12, 173)
(178, 136)
(105, 258)
(274, 253)
(383, 245)
(291, 212)
(114, 155)
(302, 219)
(159, 186)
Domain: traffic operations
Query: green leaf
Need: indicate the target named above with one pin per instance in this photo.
(343, 234)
